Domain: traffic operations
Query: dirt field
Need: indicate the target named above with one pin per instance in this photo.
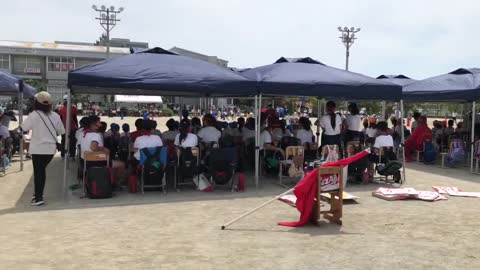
(182, 230)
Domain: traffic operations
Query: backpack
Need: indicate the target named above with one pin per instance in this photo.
(123, 148)
(123, 144)
(220, 169)
(271, 162)
(187, 164)
(152, 167)
(429, 152)
(391, 168)
(456, 153)
(332, 154)
(289, 141)
(98, 183)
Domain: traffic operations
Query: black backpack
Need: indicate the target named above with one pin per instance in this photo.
(290, 141)
(187, 164)
(123, 144)
(391, 168)
(123, 148)
(152, 168)
(99, 183)
(220, 169)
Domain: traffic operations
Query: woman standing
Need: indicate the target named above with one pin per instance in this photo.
(352, 123)
(46, 126)
(331, 124)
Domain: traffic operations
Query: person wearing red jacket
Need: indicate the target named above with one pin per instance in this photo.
(73, 128)
(415, 141)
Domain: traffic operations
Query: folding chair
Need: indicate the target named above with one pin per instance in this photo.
(224, 160)
(89, 156)
(195, 153)
(290, 153)
(351, 146)
(330, 180)
(162, 158)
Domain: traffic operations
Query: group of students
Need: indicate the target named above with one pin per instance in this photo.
(120, 142)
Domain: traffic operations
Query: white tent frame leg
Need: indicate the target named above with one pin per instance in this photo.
(472, 140)
(20, 120)
(402, 114)
(258, 106)
(67, 141)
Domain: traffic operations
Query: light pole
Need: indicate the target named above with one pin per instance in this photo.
(348, 38)
(108, 19)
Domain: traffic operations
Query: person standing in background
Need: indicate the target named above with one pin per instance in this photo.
(331, 124)
(4, 133)
(46, 126)
(454, 117)
(416, 115)
(73, 127)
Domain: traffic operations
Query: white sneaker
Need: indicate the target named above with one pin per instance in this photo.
(36, 202)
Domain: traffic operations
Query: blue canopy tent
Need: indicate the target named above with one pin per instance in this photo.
(11, 85)
(401, 80)
(459, 85)
(156, 72)
(309, 77)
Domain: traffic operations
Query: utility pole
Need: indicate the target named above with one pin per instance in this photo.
(108, 19)
(348, 38)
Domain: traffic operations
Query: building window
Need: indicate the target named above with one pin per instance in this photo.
(27, 65)
(4, 61)
(61, 64)
(57, 91)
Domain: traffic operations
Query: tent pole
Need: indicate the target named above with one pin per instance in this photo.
(403, 141)
(259, 132)
(180, 109)
(257, 151)
(67, 141)
(20, 119)
(319, 109)
(472, 140)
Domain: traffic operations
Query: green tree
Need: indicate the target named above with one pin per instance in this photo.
(38, 84)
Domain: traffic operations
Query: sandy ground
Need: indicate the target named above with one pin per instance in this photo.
(182, 230)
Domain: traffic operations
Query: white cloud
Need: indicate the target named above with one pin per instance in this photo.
(416, 38)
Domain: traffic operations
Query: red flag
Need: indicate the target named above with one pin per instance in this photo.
(306, 189)
(346, 161)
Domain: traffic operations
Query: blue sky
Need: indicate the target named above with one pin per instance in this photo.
(417, 38)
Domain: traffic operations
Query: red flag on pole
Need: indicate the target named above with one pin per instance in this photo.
(307, 187)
